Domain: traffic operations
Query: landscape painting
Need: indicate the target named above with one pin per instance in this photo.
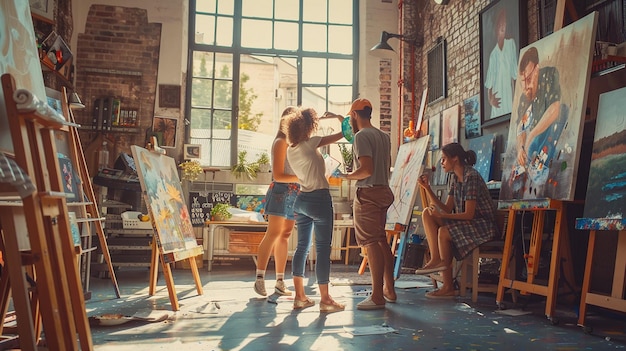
(545, 131)
(483, 147)
(606, 190)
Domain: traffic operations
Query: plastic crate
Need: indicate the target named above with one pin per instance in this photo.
(130, 220)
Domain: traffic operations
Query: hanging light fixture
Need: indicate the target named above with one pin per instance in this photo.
(383, 48)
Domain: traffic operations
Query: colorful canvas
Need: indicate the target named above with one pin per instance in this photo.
(254, 203)
(483, 147)
(403, 181)
(434, 131)
(159, 180)
(606, 190)
(471, 107)
(450, 125)
(545, 132)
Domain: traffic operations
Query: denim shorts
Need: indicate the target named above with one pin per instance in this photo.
(280, 198)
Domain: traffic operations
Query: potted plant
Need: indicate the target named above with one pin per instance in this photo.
(347, 156)
(220, 212)
(264, 162)
(244, 168)
(191, 170)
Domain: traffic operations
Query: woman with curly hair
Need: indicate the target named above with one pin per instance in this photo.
(313, 207)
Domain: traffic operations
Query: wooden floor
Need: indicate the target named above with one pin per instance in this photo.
(230, 316)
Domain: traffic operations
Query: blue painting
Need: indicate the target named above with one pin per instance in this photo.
(606, 189)
(434, 123)
(471, 111)
(483, 147)
(254, 203)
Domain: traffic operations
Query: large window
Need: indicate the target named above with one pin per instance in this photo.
(250, 59)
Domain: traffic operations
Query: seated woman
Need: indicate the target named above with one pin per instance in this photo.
(465, 221)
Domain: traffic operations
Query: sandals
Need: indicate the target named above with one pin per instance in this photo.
(333, 307)
(430, 270)
(435, 295)
(298, 304)
(369, 305)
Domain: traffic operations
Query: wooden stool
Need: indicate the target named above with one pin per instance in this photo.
(393, 236)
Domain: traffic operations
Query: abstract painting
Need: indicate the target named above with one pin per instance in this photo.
(403, 182)
(606, 190)
(450, 125)
(159, 180)
(545, 132)
(471, 108)
(483, 147)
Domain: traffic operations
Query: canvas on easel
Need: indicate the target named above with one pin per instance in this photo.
(606, 189)
(403, 181)
(175, 239)
(545, 133)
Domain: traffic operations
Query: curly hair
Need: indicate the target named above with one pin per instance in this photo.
(300, 125)
(288, 110)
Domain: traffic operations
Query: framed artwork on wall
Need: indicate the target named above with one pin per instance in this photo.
(192, 151)
(502, 34)
(450, 125)
(43, 8)
(166, 127)
(471, 113)
(169, 96)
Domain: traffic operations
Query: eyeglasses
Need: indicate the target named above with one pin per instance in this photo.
(526, 78)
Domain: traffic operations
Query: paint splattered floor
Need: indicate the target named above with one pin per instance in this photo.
(230, 316)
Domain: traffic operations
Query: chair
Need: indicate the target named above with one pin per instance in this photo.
(470, 268)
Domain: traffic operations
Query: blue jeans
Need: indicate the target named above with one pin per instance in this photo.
(314, 210)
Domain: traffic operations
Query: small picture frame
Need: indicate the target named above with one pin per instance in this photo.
(169, 96)
(166, 127)
(192, 151)
(42, 8)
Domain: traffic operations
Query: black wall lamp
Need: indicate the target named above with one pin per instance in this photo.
(384, 49)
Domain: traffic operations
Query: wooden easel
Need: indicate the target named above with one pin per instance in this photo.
(91, 206)
(57, 299)
(158, 254)
(560, 250)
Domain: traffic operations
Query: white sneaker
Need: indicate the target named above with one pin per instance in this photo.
(259, 287)
(281, 289)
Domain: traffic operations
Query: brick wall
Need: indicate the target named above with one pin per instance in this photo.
(118, 55)
(457, 23)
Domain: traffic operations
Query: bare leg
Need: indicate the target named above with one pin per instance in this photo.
(389, 290)
(281, 244)
(376, 261)
(298, 283)
(274, 230)
(445, 251)
(431, 227)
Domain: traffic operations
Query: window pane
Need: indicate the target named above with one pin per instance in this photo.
(340, 39)
(226, 7)
(202, 64)
(256, 33)
(221, 124)
(286, 36)
(339, 71)
(314, 37)
(205, 6)
(201, 92)
(223, 94)
(339, 99)
(224, 66)
(313, 70)
(200, 123)
(287, 9)
(224, 31)
(205, 26)
(314, 10)
(340, 11)
(257, 8)
(314, 97)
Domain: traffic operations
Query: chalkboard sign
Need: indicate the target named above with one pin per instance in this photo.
(201, 203)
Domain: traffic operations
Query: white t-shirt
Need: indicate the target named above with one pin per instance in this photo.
(308, 164)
